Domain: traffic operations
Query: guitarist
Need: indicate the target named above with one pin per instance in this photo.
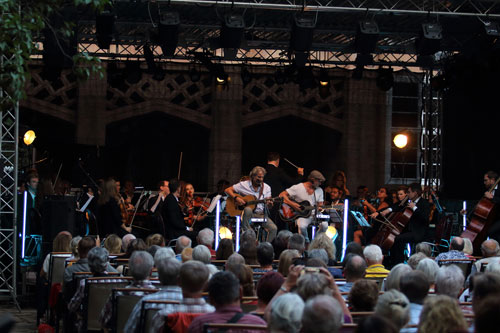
(306, 191)
(254, 186)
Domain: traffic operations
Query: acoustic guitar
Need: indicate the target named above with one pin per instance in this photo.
(233, 209)
(287, 213)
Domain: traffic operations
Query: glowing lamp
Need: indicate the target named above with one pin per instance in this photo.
(331, 232)
(224, 232)
(400, 141)
(29, 137)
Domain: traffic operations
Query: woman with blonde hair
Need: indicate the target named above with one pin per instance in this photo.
(441, 314)
(113, 244)
(286, 260)
(322, 241)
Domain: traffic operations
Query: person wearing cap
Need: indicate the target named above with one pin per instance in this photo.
(307, 191)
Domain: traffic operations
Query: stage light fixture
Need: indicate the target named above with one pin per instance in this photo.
(324, 78)
(367, 34)
(29, 137)
(224, 232)
(400, 140)
(332, 233)
(302, 32)
(168, 32)
(429, 40)
(220, 74)
(232, 31)
(104, 27)
(385, 79)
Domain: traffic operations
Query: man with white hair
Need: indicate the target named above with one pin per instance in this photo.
(206, 237)
(202, 253)
(182, 243)
(168, 273)
(163, 253)
(126, 241)
(322, 314)
(374, 258)
(490, 249)
(449, 281)
(286, 314)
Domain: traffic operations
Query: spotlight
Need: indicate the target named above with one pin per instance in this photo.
(168, 32)
(246, 76)
(332, 233)
(232, 31)
(194, 75)
(400, 140)
(220, 75)
(429, 41)
(104, 26)
(324, 79)
(29, 137)
(385, 79)
(491, 29)
(224, 232)
(367, 33)
(306, 78)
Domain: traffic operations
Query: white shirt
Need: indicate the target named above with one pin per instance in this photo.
(246, 188)
(299, 193)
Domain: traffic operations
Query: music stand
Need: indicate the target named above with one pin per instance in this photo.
(359, 218)
(335, 217)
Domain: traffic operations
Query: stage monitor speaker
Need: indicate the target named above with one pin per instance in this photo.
(58, 214)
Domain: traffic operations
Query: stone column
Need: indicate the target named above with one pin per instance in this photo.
(226, 133)
(90, 120)
(364, 141)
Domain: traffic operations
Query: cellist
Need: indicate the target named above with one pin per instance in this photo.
(417, 226)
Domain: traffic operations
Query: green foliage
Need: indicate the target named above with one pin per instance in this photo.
(21, 22)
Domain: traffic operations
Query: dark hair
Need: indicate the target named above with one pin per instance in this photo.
(249, 251)
(363, 295)
(376, 324)
(161, 183)
(223, 288)
(268, 285)
(173, 185)
(245, 275)
(354, 269)
(487, 315)
(415, 286)
(457, 243)
(353, 248)
(484, 284)
(265, 254)
(492, 175)
(84, 246)
(225, 249)
(135, 245)
(297, 242)
(272, 156)
(416, 187)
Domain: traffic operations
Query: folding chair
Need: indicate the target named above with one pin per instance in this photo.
(124, 300)
(148, 310)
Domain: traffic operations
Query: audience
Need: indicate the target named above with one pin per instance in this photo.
(374, 257)
(455, 252)
(441, 314)
(225, 249)
(354, 270)
(265, 257)
(376, 324)
(415, 286)
(430, 268)
(187, 254)
(489, 249)
(202, 253)
(363, 295)
(415, 259)
(280, 243)
(224, 295)
(126, 239)
(245, 275)
(322, 314)
(395, 275)
(424, 248)
(286, 260)
(286, 314)
(61, 243)
(234, 260)
(182, 243)
(248, 250)
(267, 287)
(449, 281)
(206, 237)
(322, 241)
(487, 315)
(155, 239)
(394, 305)
(297, 242)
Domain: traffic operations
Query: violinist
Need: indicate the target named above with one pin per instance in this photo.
(193, 207)
(383, 201)
(112, 213)
(155, 202)
(172, 213)
(417, 226)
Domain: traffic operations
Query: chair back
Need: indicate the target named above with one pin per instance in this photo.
(358, 316)
(464, 264)
(148, 311)
(57, 264)
(97, 292)
(348, 328)
(249, 303)
(124, 300)
(212, 327)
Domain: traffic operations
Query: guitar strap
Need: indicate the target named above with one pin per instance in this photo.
(260, 196)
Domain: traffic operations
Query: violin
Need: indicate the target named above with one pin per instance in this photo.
(193, 209)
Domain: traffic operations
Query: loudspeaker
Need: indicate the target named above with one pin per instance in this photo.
(58, 214)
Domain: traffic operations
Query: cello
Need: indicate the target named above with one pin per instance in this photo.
(482, 217)
(392, 227)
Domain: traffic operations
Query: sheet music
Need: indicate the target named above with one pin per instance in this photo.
(214, 203)
(87, 203)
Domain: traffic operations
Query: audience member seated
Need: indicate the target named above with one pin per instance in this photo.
(424, 248)
(312, 284)
(225, 249)
(97, 263)
(468, 248)
(430, 268)
(265, 257)
(415, 259)
(248, 236)
(392, 281)
(449, 281)
(152, 250)
(187, 254)
(113, 244)
(73, 246)
(286, 260)
(482, 286)
(394, 305)
(280, 243)
(286, 314)
(441, 314)
(245, 275)
(202, 253)
(354, 248)
(267, 287)
(140, 266)
(135, 245)
(297, 242)
(206, 237)
(248, 250)
(168, 274)
(487, 315)
(192, 278)
(455, 252)
(373, 256)
(182, 243)
(489, 249)
(415, 286)
(234, 260)
(363, 295)
(322, 314)
(163, 253)
(354, 270)
(61, 243)
(376, 324)
(224, 293)
(155, 239)
(322, 241)
(126, 239)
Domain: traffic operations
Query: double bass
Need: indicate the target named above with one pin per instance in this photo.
(392, 227)
(481, 219)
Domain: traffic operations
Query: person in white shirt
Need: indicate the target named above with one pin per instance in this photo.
(308, 191)
(256, 187)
